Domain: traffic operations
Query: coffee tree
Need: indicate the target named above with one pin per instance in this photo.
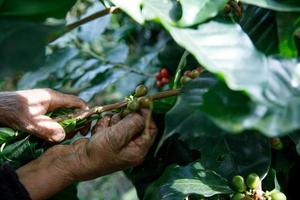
(221, 78)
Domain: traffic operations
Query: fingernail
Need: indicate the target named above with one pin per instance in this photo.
(57, 137)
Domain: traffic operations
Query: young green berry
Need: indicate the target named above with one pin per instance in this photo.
(141, 90)
(238, 184)
(238, 196)
(276, 195)
(253, 181)
(276, 144)
(194, 74)
(125, 112)
(133, 105)
(144, 102)
(184, 79)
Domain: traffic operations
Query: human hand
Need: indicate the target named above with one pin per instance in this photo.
(25, 110)
(115, 145)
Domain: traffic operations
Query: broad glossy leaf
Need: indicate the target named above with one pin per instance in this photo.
(283, 5)
(132, 8)
(178, 182)
(181, 13)
(227, 154)
(6, 134)
(195, 11)
(287, 33)
(223, 48)
(260, 26)
(36, 9)
(90, 31)
(15, 38)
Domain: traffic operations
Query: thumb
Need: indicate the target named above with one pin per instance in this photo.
(46, 128)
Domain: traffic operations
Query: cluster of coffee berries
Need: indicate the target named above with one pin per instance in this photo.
(137, 101)
(162, 77)
(235, 7)
(189, 75)
(251, 189)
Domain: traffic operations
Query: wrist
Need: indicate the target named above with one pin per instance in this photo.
(46, 175)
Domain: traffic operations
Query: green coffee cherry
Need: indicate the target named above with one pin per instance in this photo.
(144, 102)
(276, 143)
(141, 90)
(125, 112)
(253, 181)
(195, 73)
(133, 105)
(276, 195)
(238, 184)
(184, 79)
(238, 196)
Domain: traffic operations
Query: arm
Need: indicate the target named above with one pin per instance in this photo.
(116, 144)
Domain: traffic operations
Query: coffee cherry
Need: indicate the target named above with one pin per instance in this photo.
(188, 73)
(158, 76)
(253, 181)
(165, 80)
(165, 73)
(141, 90)
(237, 196)
(276, 143)
(276, 195)
(238, 184)
(195, 74)
(144, 102)
(159, 84)
(133, 105)
(227, 8)
(184, 79)
(200, 69)
(125, 112)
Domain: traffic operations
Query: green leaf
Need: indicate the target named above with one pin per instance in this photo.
(223, 48)
(226, 154)
(36, 9)
(260, 25)
(54, 62)
(195, 11)
(288, 47)
(21, 151)
(181, 13)
(15, 38)
(283, 6)
(6, 134)
(178, 182)
(69, 125)
(132, 8)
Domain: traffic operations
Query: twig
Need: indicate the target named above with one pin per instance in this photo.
(85, 20)
(91, 17)
(101, 109)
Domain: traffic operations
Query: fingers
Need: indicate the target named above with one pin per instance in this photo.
(60, 100)
(104, 122)
(46, 128)
(146, 139)
(125, 130)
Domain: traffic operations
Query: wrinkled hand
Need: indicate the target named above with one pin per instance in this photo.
(25, 111)
(116, 144)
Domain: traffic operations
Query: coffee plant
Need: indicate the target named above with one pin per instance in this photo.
(221, 78)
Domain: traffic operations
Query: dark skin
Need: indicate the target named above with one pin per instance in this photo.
(116, 144)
